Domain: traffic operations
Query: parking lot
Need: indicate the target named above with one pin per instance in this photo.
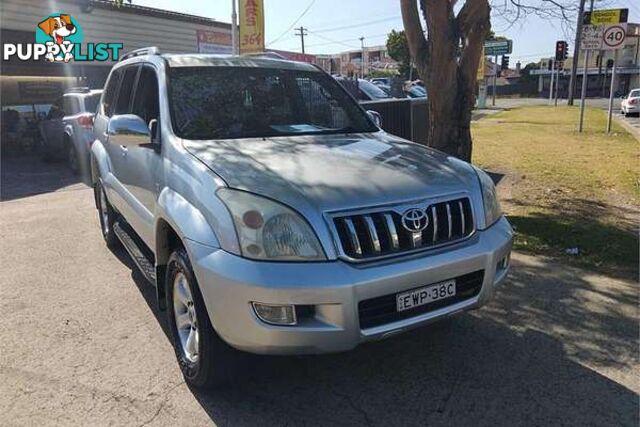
(84, 344)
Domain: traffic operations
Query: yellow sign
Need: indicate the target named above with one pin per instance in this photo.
(606, 16)
(251, 26)
(480, 75)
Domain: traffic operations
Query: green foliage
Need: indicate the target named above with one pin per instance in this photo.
(525, 73)
(398, 49)
(382, 73)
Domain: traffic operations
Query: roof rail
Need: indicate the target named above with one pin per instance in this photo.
(152, 50)
(271, 55)
(79, 89)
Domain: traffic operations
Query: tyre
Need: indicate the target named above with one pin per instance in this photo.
(205, 359)
(107, 216)
(72, 157)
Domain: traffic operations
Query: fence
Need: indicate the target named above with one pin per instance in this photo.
(406, 117)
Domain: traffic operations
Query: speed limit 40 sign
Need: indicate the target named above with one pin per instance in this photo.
(613, 36)
(603, 37)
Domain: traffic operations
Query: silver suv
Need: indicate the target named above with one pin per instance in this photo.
(273, 216)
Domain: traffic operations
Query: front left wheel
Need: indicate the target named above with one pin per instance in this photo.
(204, 358)
(107, 216)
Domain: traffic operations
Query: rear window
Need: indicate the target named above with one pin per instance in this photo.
(91, 103)
(634, 94)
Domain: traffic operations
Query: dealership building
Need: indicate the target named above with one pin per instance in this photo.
(39, 82)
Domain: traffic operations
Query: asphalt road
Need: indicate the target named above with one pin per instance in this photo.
(83, 343)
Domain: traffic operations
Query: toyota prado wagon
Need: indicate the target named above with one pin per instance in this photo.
(274, 216)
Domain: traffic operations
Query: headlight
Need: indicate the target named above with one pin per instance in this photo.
(492, 211)
(270, 231)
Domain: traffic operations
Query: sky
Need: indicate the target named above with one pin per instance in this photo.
(336, 25)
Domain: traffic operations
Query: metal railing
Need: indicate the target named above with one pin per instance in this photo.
(407, 118)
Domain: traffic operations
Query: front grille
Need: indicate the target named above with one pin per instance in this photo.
(377, 234)
(382, 310)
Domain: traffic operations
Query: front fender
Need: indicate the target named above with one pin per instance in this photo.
(100, 162)
(185, 219)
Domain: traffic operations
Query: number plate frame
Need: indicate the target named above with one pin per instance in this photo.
(425, 295)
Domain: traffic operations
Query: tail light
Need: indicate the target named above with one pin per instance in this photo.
(86, 121)
(634, 101)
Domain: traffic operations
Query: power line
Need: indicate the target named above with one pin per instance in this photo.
(331, 41)
(345, 27)
(304, 12)
(363, 24)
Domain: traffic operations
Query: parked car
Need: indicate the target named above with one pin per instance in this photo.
(631, 103)
(415, 91)
(386, 81)
(67, 130)
(273, 216)
(363, 90)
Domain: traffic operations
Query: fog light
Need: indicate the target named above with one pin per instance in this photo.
(275, 314)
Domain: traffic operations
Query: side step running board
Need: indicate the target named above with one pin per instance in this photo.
(144, 265)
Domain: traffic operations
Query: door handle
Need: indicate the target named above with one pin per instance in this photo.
(124, 150)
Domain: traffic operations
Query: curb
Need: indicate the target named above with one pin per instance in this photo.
(635, 132)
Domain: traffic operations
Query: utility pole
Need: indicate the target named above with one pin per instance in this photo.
(362, 62)
(553, 73)
(585, 78)
(576, 52)
(495, 80)
(234, 29)
(302, 31)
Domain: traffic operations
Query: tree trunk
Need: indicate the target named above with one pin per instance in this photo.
(448, 61)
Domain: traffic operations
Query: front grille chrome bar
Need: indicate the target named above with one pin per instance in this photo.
(373, 234)
(380, 233)
(353, 236)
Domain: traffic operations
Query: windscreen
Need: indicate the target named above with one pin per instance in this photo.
(242, 102)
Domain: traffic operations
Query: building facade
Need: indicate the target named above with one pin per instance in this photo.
(101, 22)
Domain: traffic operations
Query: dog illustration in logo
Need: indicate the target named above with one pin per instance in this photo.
(58, 27)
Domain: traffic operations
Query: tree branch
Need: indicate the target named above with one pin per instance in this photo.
(415, 34)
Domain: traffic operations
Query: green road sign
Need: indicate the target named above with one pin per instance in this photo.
(498, 47)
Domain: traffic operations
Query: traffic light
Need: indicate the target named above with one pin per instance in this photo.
(609, 63)
(505, 63)
(561, 50)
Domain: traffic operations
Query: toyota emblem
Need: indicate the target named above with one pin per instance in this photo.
(415, 220)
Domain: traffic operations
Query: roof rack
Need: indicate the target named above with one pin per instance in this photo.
(152, 50)
(271, 55)
(79, 89)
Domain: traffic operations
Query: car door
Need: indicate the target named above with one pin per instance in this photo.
(52, 127)
(143, 164)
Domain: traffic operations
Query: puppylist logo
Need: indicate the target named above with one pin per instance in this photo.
(59, 39)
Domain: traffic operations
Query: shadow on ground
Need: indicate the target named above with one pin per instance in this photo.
(605, 235)
(28, 175)
(529, 358)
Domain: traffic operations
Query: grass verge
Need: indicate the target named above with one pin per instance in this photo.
(562, 189)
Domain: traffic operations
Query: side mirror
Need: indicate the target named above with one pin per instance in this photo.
(376, 117)
(130, 129)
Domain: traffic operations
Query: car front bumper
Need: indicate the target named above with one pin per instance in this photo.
(229, 284)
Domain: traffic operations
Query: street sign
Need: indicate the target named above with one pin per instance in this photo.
(613, 37)
(498, 47)
(603, 37)
(606, 17)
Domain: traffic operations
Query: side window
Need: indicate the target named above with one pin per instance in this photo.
(110, 93)
(145, 103)
(70, 105)
(123, 100)
(56, 111)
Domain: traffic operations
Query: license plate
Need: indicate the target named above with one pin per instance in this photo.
(425, 295)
